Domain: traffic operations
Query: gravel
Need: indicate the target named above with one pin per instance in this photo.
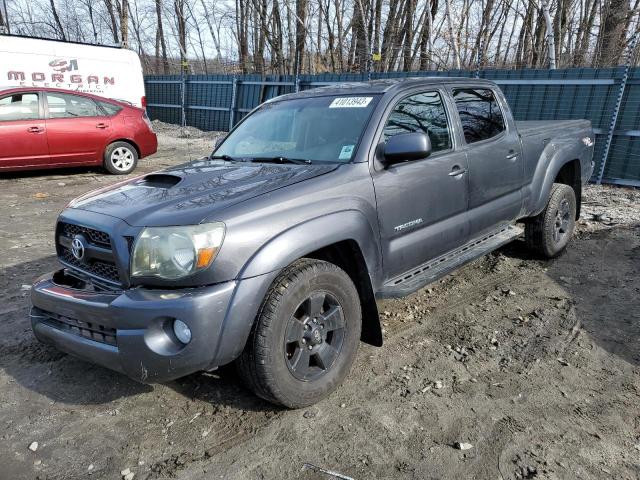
(528, 413)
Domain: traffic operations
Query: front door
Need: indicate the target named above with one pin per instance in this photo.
(23, 137)
(494, 156)
(76, 128)
(422, 204)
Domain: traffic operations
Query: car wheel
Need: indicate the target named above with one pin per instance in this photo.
(120, 158)
(549, 232)
(305, 337)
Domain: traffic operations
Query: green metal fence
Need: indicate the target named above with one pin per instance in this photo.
(608, 97)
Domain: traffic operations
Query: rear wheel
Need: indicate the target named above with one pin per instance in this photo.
(120, 158)
(549, 232)
(306, 335)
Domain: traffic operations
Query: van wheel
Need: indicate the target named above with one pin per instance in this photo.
(120, 158)
(549, 232)
(305, 337)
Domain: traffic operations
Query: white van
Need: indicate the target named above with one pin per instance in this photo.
(110, 72)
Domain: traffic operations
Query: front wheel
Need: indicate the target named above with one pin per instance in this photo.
(306, 335)
(549, 232)
(120, 158)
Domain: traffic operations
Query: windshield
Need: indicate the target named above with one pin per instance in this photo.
(318, 129)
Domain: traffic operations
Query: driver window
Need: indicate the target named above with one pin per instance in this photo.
(19, 106)
(423, 112)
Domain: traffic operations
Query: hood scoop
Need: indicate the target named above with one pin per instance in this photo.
(159, 180)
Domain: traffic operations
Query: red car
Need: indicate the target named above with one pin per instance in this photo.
(52, 128)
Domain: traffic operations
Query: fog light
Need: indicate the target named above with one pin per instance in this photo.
(182, 331)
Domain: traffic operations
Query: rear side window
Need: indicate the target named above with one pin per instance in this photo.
(62, 105)
(19, 106)
(109, 108)
(479, 112)
(423, 112)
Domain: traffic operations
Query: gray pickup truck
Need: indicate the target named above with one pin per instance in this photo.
(271, 252)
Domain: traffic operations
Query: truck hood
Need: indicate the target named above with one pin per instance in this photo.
(189, 193)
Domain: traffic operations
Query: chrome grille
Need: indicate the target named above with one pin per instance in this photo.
(98, 262)
(95, 236)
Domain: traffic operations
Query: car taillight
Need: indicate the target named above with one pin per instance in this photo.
(147, 121)
(143, 102)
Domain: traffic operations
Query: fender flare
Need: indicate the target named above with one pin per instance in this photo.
(546, 173)
(312, 235)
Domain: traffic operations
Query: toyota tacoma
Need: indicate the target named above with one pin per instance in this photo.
(272, 251)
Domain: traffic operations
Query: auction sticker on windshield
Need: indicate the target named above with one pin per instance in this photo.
(346, 152)
(351, 102)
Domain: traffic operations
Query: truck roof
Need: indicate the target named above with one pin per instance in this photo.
(382, 86)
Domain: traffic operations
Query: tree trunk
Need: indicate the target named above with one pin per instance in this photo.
(301, 34)
(426, 35)
(160, 38)
(124, 23)
(613, 32)
(182, 34)
(452, 39)
(4, 20)
(361, 35)
(56, 17)
(551, 47)
(377, 24)
(409, 35)
(112, 17)
(583, 38)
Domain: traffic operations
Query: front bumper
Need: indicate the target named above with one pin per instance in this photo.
(131, 331)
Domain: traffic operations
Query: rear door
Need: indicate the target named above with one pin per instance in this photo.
(77, 129)
(494, 156)
(422, 204)
(23, 138)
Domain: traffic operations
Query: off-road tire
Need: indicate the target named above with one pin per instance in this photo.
(110, 162)
(264, 364)
(542, 231)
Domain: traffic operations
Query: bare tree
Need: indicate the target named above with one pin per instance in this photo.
(283, 36)
(452, 39)
(56, 18)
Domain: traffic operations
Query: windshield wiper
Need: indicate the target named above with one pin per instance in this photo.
(226, 158)
(297, 161)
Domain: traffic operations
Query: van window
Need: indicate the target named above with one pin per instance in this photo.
(62, 105)
(19, 106)
(479, 113)
(423, 112)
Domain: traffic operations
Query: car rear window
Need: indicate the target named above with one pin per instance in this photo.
(62, 105)
(109, 108)
(479, 112)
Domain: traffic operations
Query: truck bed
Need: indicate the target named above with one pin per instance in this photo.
(529, 128)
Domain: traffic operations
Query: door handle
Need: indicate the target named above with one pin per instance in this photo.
(102, 125)
(512, 155)
(35, 129)
(457, 170)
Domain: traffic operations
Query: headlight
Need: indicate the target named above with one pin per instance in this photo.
(175, 252)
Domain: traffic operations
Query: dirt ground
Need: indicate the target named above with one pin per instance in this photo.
(534, 364)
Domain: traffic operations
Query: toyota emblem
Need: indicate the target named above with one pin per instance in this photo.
(77, 247)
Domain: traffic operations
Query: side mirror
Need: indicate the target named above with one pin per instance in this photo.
(406, 146)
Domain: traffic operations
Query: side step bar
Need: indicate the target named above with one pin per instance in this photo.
(433, 270)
